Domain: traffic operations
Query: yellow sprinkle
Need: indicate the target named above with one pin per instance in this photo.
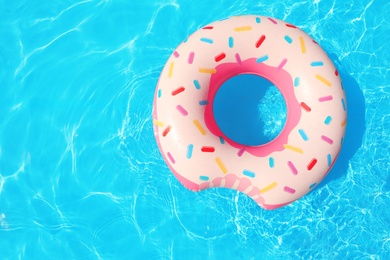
(293, 148)
(243, 28)
(220, 164)
(206, 70)
(323, 80)
(158, 123)
(303, 47)
(344, 122)
(171, 70)
(199, 126)
(269, 187)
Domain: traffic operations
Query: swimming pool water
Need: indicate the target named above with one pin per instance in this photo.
(80, 173)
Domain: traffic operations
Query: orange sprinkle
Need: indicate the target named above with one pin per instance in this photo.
(171, 70)
(323, 80)
(243, 28)
(158, 123)
(207, 70)
(344, 122)
(221, 165)
(199, 126)
(293, 148)
(269, 187)
(303, 47)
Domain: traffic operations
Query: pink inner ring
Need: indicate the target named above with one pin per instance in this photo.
(279, 77)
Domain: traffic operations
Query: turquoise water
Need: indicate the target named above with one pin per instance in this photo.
(80, 173)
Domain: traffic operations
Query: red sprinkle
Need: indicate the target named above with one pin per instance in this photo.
(336, 72)
(220, 57)
(208, 27)
(311, 164)
(166, 130)
(290, 25)
(177, 91)
(305, 107)
(260, 41)
(207, 149)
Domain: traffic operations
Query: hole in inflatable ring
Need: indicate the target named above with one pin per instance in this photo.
(249, 110)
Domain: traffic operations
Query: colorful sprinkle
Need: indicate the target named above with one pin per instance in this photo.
(316, 63)
(289, 190)
(243, 28)
(221, 165)
(241, 152)
(170, 72)
(203, 178)
(326, 139)
(190, 148)
(271, 162)
(221, 140)
(258, 20)
(196, 84)
(302, 42)
(262, 59)
(207, 70)
(311, 164)
(282, 63)
(176, 54)
(328, 119)
(325, 98)
(292, 168)
(177, 91)
(191, 58)
(220, 57)
(238, 58)
(336, 72)
(203, 102)
(170, 157)
(166, 131)
(296, 82)
(158, 123)
(182, 110)
(343, 103)
(159, 92)
(268, 188)
(249, 173)
(199, 127)
(208, 149)
(344, 122)
(288, 39)
(329, 157)
(305, 107)
(293, 148)
(290, 25)
(260, 41)
(272, 20)
(207, 27)
(231, 42)
(207, 40)
(312, 185)
(323, 80)
(314, 42)
(303, 134)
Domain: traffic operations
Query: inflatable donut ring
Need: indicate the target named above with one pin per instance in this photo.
(201, 156)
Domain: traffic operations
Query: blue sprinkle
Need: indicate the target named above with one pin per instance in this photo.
(288, 39)
(303, 134)
(316, 63)
(312, 185)
(249, 173)
(328, 119)
(231, 42)
(258, 20)
(261, 59)
(271, 162)
(203, 178)
(208, 40)
(296, 82)
(203, 102)
(189, 151)
(329, 160)
(159, 93)
(196, 83)
(221, 140)
(343, 102)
